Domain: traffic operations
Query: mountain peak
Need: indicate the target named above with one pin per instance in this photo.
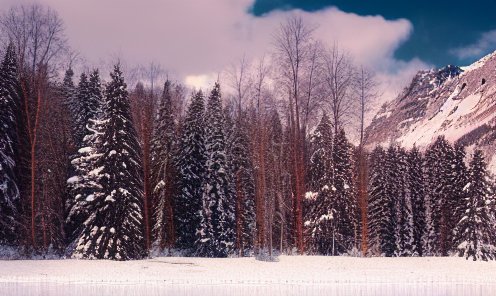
(457, 102)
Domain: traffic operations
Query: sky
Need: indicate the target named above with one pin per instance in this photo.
(195, 40)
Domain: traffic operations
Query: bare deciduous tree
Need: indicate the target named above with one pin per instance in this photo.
(338, 75)
(38, 34)
(293, 51)
(365, 85)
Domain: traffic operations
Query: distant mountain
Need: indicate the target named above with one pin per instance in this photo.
(459, 103)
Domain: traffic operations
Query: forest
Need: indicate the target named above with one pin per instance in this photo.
(93, 168)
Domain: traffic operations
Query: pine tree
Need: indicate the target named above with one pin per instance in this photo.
(114, 228)
(218, 210)
(475, 230)
(163, 169)
(458, 205)
(10, 199)
(319, 214)
(416, 193)
(438, 194)
(379, 210)
(404, 235)
(346, 224)
(190, 163)
(85, 181)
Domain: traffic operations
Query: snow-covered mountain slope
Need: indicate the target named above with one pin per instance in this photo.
(459, 103)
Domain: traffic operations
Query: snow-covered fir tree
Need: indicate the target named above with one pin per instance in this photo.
(377, 203)
(190, 163)
(439, 174)
(68, 89)
(404, 228)
(85, 181)
(319, 210)
(114, 228)
(10, 200)
(217, 232)
(80, 110)
(416, 193)
(163, 170)
(345, 224)
(475, 230)
(458, 204)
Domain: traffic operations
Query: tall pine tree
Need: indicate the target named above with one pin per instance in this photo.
(475, 230)
(217, 232)
(163, 170)
(114, 228)
(10, 198)
(190, 163)
(416, 193)
(344, 202)
(319, 212)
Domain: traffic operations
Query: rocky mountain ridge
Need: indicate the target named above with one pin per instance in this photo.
(459, 103)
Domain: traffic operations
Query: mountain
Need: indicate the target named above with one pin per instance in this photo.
(457, 102)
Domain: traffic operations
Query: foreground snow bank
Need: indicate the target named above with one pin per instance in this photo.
(292, 275)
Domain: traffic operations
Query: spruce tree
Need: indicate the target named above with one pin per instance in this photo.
(378, 215)
(439, 192)
(10, 199)
(85, 164)
(404, 232)
(475, 230)
(217, 214)
(114, 228)
(416, 193)
(190, 163)
(319, 212)
(345, 223)
(163, 169)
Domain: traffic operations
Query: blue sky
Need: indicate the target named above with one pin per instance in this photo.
(444, 32)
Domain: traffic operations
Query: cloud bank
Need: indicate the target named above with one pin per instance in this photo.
(487, 42)
(196, 38)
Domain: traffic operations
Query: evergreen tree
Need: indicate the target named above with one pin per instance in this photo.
(404, 227)
(319, 212)
(190, 163)
(379, 209)
(475, 230)
(10, 199)
(217, 214)
(114, 228)
(345, 205)
(439, 192)
(80, 110)
(416, 193)
(458, 205)
(85, 181)
(163, 169)
(68, 88)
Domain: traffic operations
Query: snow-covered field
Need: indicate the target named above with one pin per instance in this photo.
(292, 275)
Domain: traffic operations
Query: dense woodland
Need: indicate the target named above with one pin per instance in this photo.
(92, 168)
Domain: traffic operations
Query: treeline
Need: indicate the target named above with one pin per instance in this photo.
(96, 170)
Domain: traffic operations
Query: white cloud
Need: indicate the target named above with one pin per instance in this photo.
(201, 81)
(195, 38)
(486, 43)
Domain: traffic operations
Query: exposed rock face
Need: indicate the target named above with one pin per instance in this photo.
(459, 103)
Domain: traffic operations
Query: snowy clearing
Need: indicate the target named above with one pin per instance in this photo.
(292, 275)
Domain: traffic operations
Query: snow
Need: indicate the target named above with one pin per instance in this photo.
(311, 195)
(292, 275)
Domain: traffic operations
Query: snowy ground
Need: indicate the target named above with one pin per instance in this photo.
(292, 275)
